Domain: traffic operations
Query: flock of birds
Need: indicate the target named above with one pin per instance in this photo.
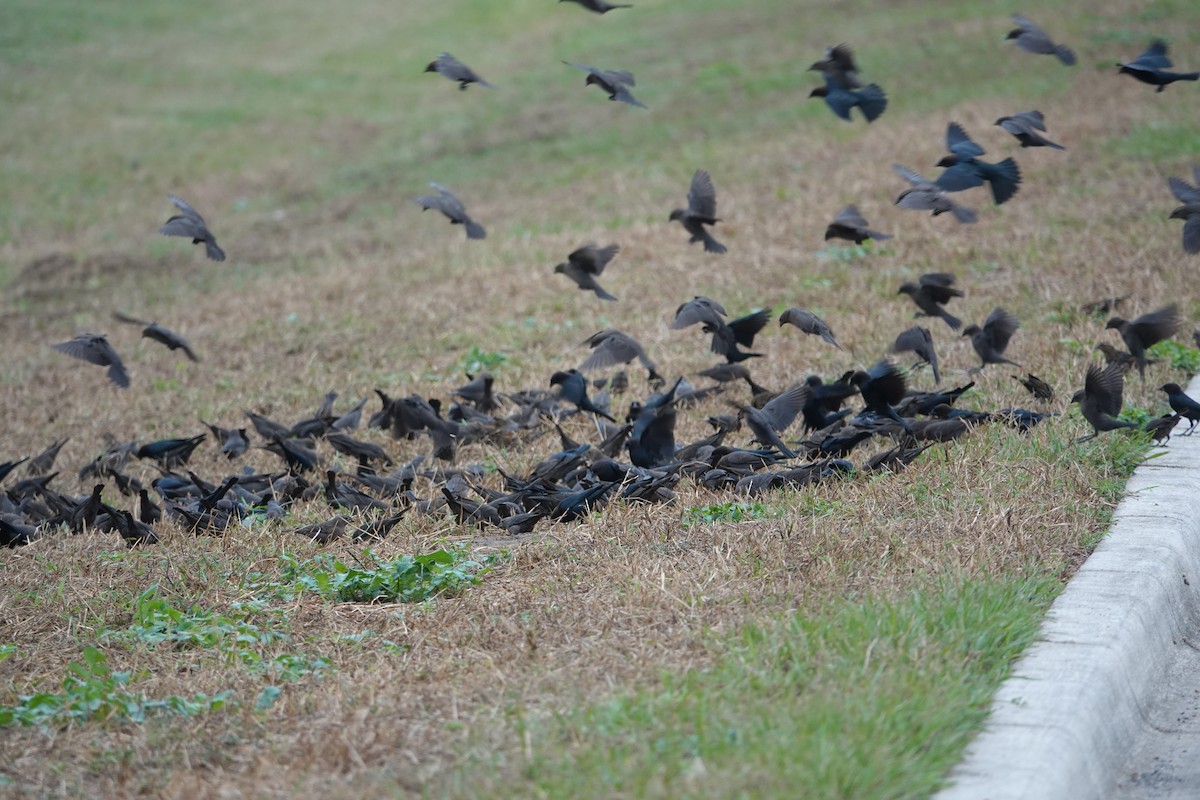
(637, 458)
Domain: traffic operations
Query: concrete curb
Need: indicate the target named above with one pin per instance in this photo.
(1062, 724)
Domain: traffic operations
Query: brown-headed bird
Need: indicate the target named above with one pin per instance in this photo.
(991, 340)
(451, 68)
(1028, 127)
(1151, 67)
(611, 347)
(1100, 400)
(164, 336)
(1146, 331)
(809, 323)
(189, 224)
(919, 341)
(584, 265)
(1029, 36)
(95, 349)
(1189, 212)
(850, 225)
(964, 170)
(701, 210)
(445, 202)
(613, 81)
(925, 195)
(932, 291)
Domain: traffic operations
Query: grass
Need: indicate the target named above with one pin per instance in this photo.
(843, 637)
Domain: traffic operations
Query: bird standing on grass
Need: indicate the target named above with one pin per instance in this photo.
(189, 224)
(701, 210)
(445, 202)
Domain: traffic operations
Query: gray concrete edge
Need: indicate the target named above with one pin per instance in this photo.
(1062, 724)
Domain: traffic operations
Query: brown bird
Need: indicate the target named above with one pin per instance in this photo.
(932, 291)
(445, 202)
(611, 347)
(1025, 127)
(701, 210)
(1113, 355)
(1146, 331)
(152, 330)
(809, 323)
(1036, 386)
(1160, 428)
(1189, 212)
(1032, 39)
(584, 265)
(191, 225)
(919, 341)
(925, 195)
(1100, 400)
(95, 349)
(850, 225)
(451, 68)
(991, 340)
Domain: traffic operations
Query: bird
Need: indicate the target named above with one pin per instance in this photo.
(233, 441)
(701, 210)
(574, 390)
(585, 264)
(611, 347)
(1189, 212)
(445, 202)
(1100, 399)
(1029, 36)
(991, 340)
(809, 323)
(95, 349)
(1146, 331)
(1160, 428)
(726, 336)
(1182, 404)
(599, 6)
(963, 169)
(189, 224)
(925, 195)
(1036, 386)
(165, 336)
(775, 416)
(919, 341)
(1025, 126)
(613, 81)
(838, 65)
(882, 387)
(1152, 65)
(932, 291)
(850, 225)
(870, 99)
(170, 452)
(451, 68)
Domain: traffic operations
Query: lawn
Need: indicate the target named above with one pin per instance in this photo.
(838, 640)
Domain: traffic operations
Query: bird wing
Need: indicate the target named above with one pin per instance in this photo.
(583, 67)
(702, 196)
(888, 380)
(1155, 57)
(1191, 234)
(914, 340)
(117, 315)
(592, 259)
(1156, 326)
(184, 225)
(619, 76)
(783, 408)
(444, 201)
(1032, 39)
(999, 328)
(698, 310)
(454, 69)
(1105, 385)
(850, 217)
(92, 348)
(960, 177)
(187, 210)
(611, 348)
(747, 327)
(1032, 118)
(912, 176)
(959, 143)
(1184, 192)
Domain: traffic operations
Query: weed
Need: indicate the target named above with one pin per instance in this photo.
(1178, 354)
(408, 579)
(724, 512)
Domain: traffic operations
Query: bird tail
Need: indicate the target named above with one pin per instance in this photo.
(1004, 178)
(603, 295)
(214, 252)
(711, 245)
(964, 215)
(954, 322)
(1055, 145)
(872, 101)
(1188, 76)
(475, 230)
(1065, 54)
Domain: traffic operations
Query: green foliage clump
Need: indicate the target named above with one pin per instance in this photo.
(724, 512)
(1178, 354)
(408, 579)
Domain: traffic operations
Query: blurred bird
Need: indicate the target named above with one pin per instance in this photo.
(1036, 386)
(95, 349)
(964, 170)
(882, 387)
(611, 347)
(170, 452)
(1146, 331)
(932, 291)
(599, 6)
(42, 463)
(451, 68)
(701, 210)
(1100, 400)
(152, 330)
(445, 202)
(1025, 126)
(613, 81)
(992, 339)
(1113, 355)
(726, 337)
(1182, 405)
(191, 225)
(574, 390)
(919, 341)
(870, 99)
(1151, 67)
(809, 323)
(1189, 212)
(1032, 39)
(925, 195)
(233, 441)
(838, 65)
(1160, 428)
(584, 265)
(775, 416)
(850, 225)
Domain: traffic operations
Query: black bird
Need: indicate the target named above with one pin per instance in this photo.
(42, 463)
(164, 336)
(170, 452)
(809, 323)
(775, 416)
(613, 81)
(1182, 405)
(1032, 39)
(1100, 400)
(479, 392)
(599, 6)
(992, 339)
(451, 68)
(191, 225)
(1146, 331)
(825, 400)
(925, 195)
(932, 291)
(882, 387)
(919, 341)
(1036, 386)
(574, 390)
(964, 170)
(611, 347)
(726, 337)
(850, 225)
(95, 349)
(586, 264)
(838, 65)
(1189, 212)
(445, 202)
(870, 99)
(233, 441)
(1025, 126)
(84, 513)
(1151, 67)
(701, 210)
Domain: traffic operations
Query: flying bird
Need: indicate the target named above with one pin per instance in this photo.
(599, 6)
(964, 170)
(573, 389)
(611, 347)
(932, 291)
(189, 224)
(838, 65)
(95, 349)
(882, 387)
(1189, 212)
(850, 225)
(451, 68)
(1146, 331)
(991, 340)
(1029, 36)
(152, 330)
(701, 210)
(919, 341)
(925, 195)
(1025, 126)
(1151, 67)
(445, 202)
(613, 81)
(870, 99)
(584, 265)
(1100, 399)
(809, 323)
